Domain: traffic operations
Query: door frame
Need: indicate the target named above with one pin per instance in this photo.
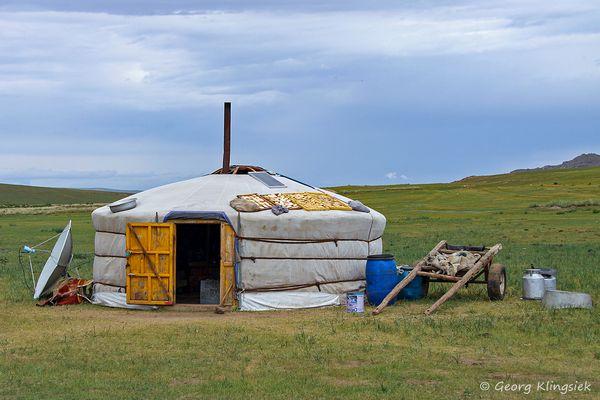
(227, 283)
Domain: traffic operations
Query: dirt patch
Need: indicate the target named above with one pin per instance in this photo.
(470, 361)
(166, 315)
(419, 382)
(192, 380)
(251, 366)
(343, 382)
(348, 364)
(521, 377)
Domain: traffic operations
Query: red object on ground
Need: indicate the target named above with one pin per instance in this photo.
(68, 291)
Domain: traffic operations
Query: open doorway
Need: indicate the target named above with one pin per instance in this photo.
(198, 261)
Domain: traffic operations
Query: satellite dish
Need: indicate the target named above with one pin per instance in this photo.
(57, 263)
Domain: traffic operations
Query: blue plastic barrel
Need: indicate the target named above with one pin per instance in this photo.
(414, 290)
(382, 277)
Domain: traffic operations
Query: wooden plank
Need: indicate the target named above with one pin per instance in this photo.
(445, 251)
(227, 273)
(150, 245)
(407, 279)
(465, 279)
(151, 263)
(439, 276)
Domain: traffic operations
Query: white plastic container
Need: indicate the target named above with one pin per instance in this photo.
(549, 283)
(355, 302)
(549, 275)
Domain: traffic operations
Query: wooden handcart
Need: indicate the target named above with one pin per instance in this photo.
(483, 272)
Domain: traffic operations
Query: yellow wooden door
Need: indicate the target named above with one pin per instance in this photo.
(150, 263)
(227, 265)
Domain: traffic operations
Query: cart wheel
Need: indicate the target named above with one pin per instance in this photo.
(425, 285)
(496, 282)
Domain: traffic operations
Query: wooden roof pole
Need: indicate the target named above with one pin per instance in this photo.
(227, 139)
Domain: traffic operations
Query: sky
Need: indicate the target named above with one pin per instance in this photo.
(129, 94)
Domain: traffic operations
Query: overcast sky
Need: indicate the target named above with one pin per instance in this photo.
(129, 94)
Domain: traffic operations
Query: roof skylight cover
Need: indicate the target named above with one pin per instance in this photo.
(267, 179)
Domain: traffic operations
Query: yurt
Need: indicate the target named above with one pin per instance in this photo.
(241, 236)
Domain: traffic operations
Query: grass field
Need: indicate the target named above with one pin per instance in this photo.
(18, 195)
(548, 218)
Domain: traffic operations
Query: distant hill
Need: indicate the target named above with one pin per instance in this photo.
(583, 161)
(126, 191)
(19, 195)
(538, 177)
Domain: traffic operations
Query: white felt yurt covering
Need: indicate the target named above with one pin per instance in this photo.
(298, 259)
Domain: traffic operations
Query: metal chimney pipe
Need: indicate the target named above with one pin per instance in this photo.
(227, 139)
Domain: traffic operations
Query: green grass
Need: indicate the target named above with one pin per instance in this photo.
(18, 195)
(568, 204)
(91, 352)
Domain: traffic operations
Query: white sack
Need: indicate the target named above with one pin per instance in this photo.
(286, 300)
(117, 300)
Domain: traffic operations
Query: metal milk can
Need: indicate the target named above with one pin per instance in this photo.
(533, 285)
(549, 275)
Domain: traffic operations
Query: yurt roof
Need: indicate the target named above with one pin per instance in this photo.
(210, 195)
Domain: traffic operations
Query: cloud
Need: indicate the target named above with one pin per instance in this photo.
(162, 61)
(394, 175)
(115, 87)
